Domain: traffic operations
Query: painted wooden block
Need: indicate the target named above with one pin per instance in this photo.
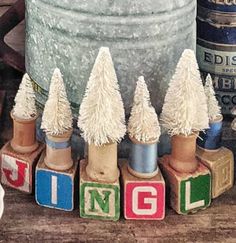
(189, 192)
(221, 165)
(98, 200)
(143, 199)
(56, 189)
(18, 170)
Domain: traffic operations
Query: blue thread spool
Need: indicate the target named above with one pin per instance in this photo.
(58, 151)
(58, 145)
(211, 138)
(143, 159)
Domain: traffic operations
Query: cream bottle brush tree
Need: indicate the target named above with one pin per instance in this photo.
(102, 118)
(144, 133)
(211, 138)
(57, 115)
(184, 113)
(24, 115)
(57, 123)
(143, 123)
(25, 107)
(214, 110)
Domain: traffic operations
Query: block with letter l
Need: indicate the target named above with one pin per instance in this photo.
(98, 200)
(143, 199)
(189, 192)
(56, 189)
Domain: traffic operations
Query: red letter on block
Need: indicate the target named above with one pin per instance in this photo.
(20, 180)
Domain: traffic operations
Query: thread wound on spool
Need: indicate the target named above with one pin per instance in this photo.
(58, 145)
(143, 158)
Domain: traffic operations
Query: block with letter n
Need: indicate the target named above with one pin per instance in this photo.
(143, 199)
(189, 192)
(221, 165)
(56, 189)
(18, 170)
(98, 200)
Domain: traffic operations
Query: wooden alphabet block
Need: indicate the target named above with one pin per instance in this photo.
(18, 170)
(143, 199)
(98, 200)
(221, 165)
(189, 192)
(56, 189)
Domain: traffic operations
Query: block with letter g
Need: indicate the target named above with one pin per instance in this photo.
(144, 200)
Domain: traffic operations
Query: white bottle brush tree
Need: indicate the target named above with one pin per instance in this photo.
(185, 108)
(57, 115)
(25, 107)
(143, 123)
(214, 111)
(101, 116)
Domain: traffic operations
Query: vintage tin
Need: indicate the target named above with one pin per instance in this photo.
(216, 47)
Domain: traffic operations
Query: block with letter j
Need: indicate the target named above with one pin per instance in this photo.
(18, 170)
(189, 192)
(98, 200)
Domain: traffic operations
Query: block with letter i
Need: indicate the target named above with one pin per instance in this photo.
(19, 156)
(56, 171)
(54, 188)
(189, 192)
(102, 122)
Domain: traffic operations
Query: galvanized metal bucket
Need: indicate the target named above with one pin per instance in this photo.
(145, 38)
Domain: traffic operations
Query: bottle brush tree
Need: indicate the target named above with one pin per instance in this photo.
(214, 111)
(143, 123)
(101, 116)
(25, 107)
(185, 108)
(57, 115)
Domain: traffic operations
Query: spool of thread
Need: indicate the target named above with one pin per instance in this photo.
(58, 145)
(143, 160)
(211, 138)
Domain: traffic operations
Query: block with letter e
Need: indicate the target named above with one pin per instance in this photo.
(189, 192)
(98, 200)
(221, 165)
(17, 169)
(143, 199)
(56, 189)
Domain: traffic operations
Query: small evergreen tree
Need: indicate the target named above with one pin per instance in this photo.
(214, 110)
(143, 122)
(101, 116)
(57, 115)
(185, 107)
(25, 107)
